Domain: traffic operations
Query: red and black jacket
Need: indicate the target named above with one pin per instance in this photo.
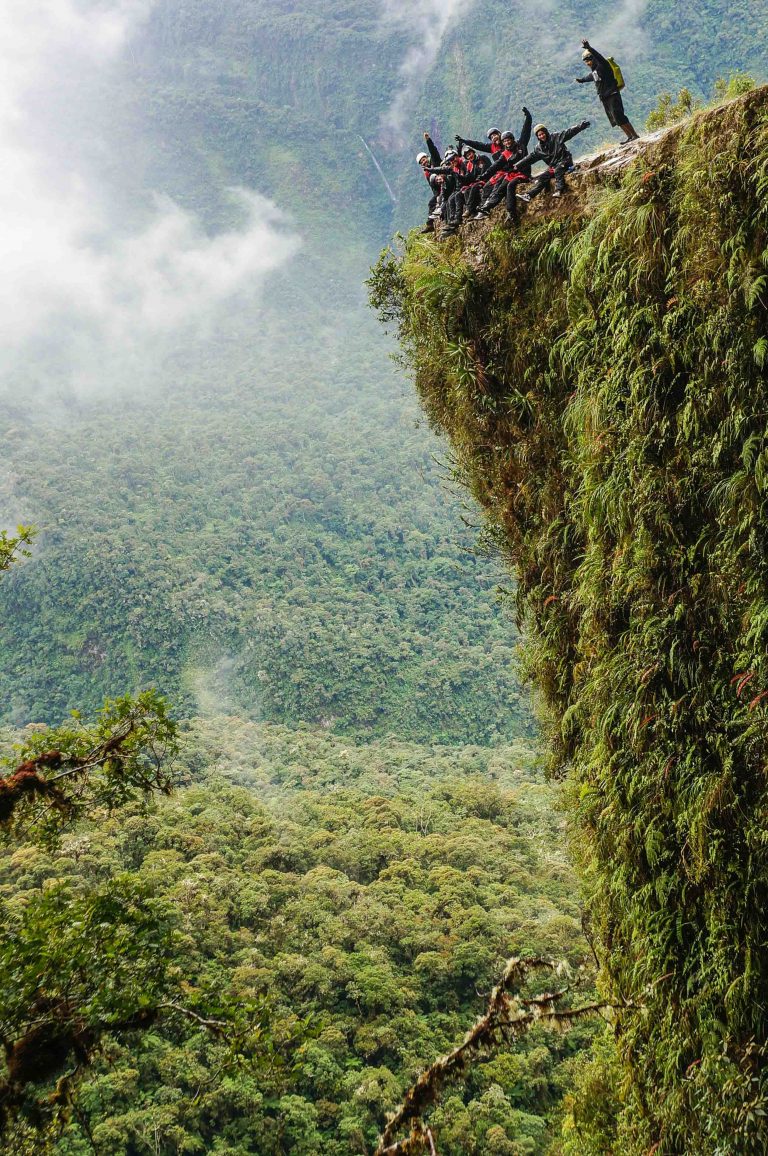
(455, 174)
(481, 146)
(496, 149)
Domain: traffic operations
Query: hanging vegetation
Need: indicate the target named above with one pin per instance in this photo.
(602, 377)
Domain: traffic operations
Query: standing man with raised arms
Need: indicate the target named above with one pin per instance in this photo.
(601, 74)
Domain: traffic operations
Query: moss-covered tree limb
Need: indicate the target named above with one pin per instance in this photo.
(127, 751)
(508, 1016)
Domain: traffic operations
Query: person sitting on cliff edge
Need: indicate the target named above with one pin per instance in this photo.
(493, 145)
(550, 149)
(435, 183)
(504, 174)
(601, 74)
(453, 173)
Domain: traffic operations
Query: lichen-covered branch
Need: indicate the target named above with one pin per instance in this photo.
(507, 1017)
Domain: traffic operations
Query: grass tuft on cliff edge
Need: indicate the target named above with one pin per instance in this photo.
(602, 377)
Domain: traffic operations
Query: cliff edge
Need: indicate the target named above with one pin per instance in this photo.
(601, 374)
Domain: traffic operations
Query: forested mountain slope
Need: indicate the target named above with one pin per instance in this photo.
(233, 504)
(282, 397)
(609, 407)
(268, 559)
(370, 894)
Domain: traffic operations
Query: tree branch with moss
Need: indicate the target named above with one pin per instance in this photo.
(508, 1017)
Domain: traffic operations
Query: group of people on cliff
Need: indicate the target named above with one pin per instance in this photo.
(471, 179)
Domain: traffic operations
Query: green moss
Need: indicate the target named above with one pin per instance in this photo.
(601, 378)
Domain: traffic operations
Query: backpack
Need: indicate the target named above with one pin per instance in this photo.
(616, 70)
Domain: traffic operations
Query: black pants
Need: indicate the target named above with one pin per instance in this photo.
(436, 188)
(542, 180)
(502, 191)
(473, 195)
(455, 207)
(614, 109)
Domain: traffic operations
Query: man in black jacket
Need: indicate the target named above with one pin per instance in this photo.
(550, 149)
(493, 145)
(507, 171)
(435, 183)
(473, 190)
(602, 76)
(454, 175)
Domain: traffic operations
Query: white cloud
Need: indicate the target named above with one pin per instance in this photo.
(623, 33)
(427, 22)
(70, 278)
(153, 281)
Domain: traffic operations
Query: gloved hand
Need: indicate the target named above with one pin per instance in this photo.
(526, 111)
(586, 123)
(459, 140)
(584, 42)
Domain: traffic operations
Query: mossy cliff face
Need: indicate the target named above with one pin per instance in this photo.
(602, 377)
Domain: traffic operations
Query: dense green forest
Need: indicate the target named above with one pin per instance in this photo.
(291, 564)
(606, 398)
(243, 510)
(371, 894)
(244, 521)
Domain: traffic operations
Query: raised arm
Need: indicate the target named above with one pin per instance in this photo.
(432, 148)
(525, 133)
(477, 145)
(576, 128)
(598, 59)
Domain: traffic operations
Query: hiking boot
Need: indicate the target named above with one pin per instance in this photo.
(523, 197)
(481, 216)
(429, 227)
(557, 193)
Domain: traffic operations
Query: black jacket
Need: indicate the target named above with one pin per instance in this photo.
(506, 161)
(552, 150)
(433, 153)
(601, 75)
(494, 150)
(455, 175)
(475, 172)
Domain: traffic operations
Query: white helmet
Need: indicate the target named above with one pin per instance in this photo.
(450, 154)
(493, 132)
(422, 157)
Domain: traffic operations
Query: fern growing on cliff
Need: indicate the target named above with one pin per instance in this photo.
(625, 467)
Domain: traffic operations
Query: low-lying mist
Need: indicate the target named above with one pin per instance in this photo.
(91, 299)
